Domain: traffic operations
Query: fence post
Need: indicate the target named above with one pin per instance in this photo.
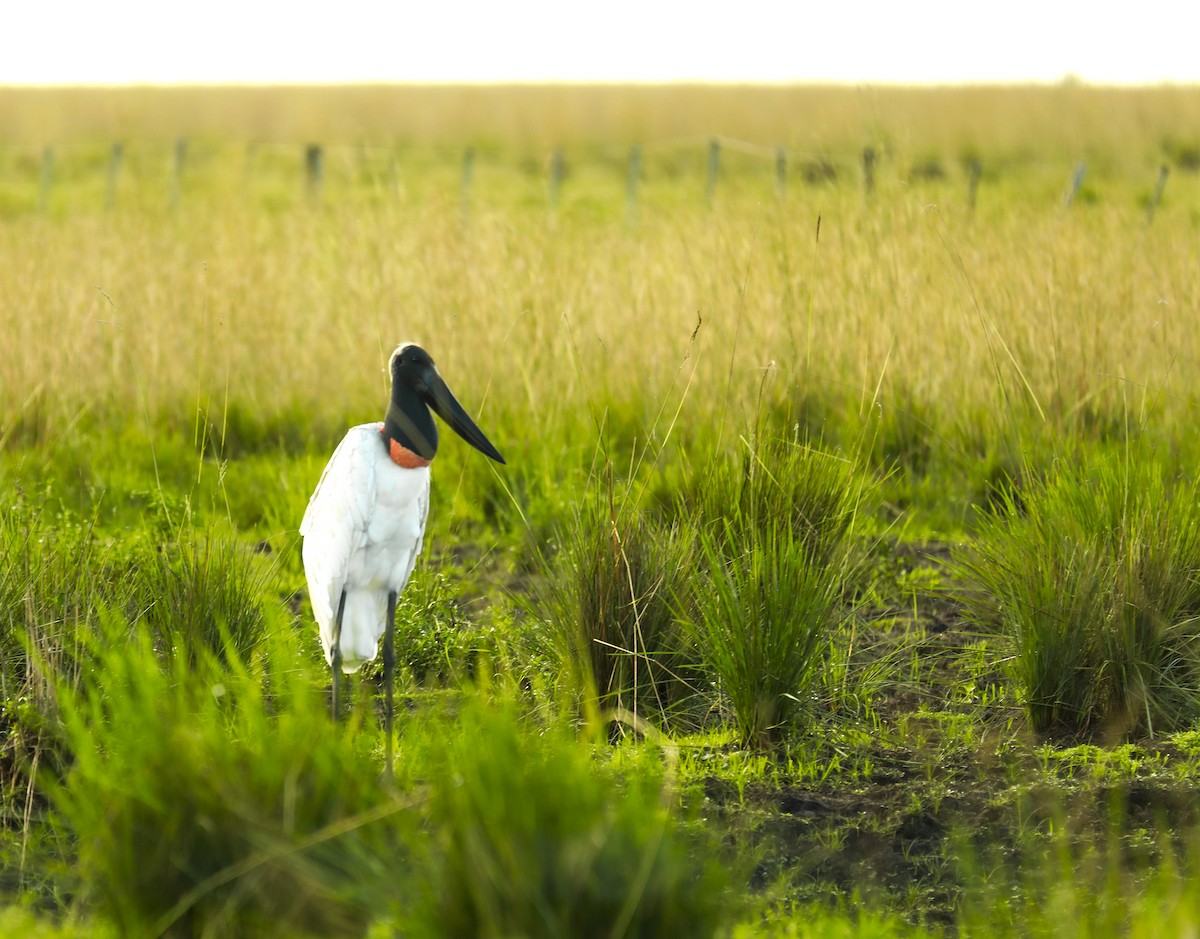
(177, 170)
(468, 174)
(1158, 191)
(780, 172)
(115, 156)
(47, 179)
(714, 167)
(314, 160)
(556, 177)
(868, 159)
(974, 171)
(631, 184)
(1076, 183)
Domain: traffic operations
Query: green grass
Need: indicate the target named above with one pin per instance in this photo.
(762, 612)
(609, 608)
(534, 839)
(778, 567)
(1093, 578)
(48, 594)
(215, 797)
(209, 799)
(841, 580)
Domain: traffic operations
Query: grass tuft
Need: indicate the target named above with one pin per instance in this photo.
(534, 839)
(609, 611)
(207, 800)
(780, 557)
(1094, 575)
(199, 595)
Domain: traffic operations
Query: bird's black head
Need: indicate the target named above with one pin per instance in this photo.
(417, 387)
(409, 365)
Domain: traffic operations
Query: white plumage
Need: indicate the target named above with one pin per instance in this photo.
(365, 522)
(363, 531)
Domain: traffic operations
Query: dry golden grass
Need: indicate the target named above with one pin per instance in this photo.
(246, 296)
(999, 122)
(295, 308)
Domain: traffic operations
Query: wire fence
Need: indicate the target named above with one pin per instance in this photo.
(168, 172)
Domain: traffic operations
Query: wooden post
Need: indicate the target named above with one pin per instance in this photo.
(868, 158)
(714, 168)
(780, 172)
(556, 177)
(47, 179)
(1076, 183)
(177, 170)
(115, 156)
(974, 171)
(468, 174)
(314, 160)
(631, 184)
(1158, 191)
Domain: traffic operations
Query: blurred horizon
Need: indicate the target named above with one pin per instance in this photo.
(1060, 121)
(367, 42)
(1067, 80)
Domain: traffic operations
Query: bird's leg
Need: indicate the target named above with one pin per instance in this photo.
(389, 668)
(337, 653)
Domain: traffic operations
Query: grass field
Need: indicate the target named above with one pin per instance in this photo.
(843, 578)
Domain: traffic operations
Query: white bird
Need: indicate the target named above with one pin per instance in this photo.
(365, 522)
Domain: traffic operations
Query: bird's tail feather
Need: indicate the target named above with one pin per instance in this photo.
(362, 627)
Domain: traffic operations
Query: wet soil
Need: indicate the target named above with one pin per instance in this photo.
(940, 801)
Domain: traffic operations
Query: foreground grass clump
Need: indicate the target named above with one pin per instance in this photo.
(1095, 577)
(191, 595)
(1074, 886)
(214, 797)
(534, 839)
(213, 801)
(760, 617)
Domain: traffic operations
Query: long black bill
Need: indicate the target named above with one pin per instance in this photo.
(448, 409)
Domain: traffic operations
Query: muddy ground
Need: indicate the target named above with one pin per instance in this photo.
(955, 786)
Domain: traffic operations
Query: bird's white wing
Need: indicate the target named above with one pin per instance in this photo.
(336, 521)
(423, 515)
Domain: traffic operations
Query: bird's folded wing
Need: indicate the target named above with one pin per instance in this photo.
(335, 523)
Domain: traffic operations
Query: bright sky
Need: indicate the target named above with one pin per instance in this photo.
(174, 41)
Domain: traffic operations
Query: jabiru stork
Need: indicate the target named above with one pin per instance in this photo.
(365, 522)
